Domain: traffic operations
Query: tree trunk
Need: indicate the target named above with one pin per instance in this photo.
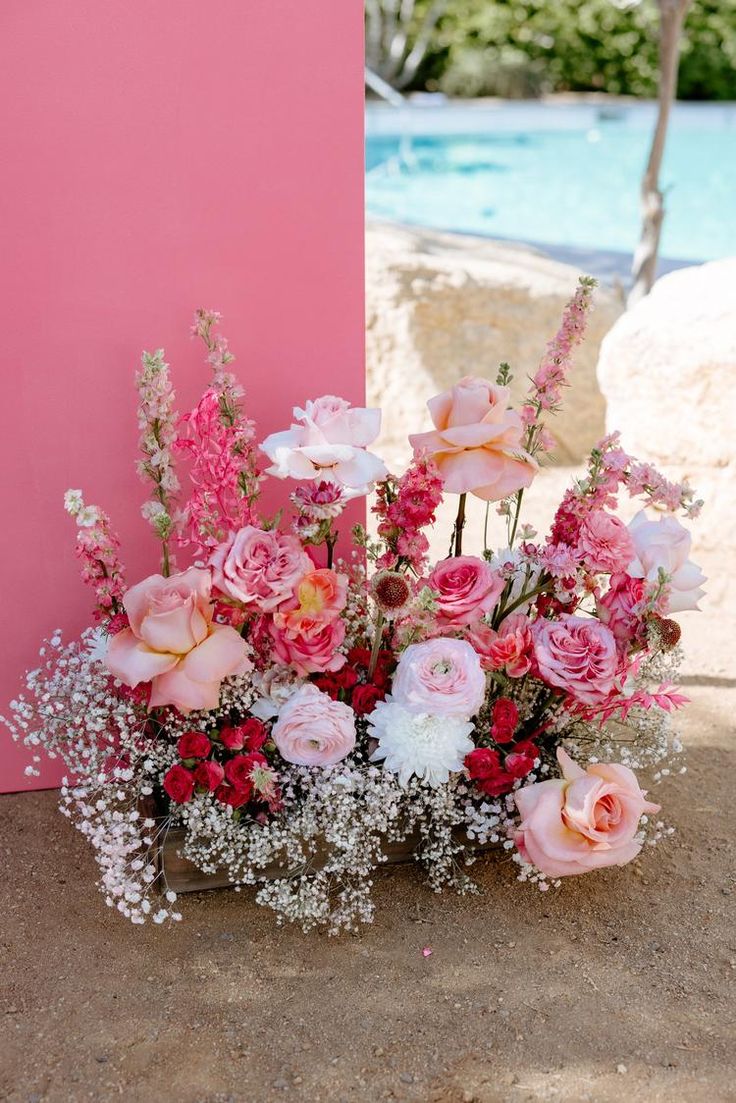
(644, 268)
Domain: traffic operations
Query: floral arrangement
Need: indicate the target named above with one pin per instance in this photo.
(294, 698)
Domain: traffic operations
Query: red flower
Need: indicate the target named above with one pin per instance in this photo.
(505, 713)
(482, 763)
(329, 685)
(209, 775)
(179, 784)
(519, 764)
(239, 769)
(250, 735)
(359, 656)
(194, 745)
(497, 785)
(227, 794)
(232, 738)
(365, 698)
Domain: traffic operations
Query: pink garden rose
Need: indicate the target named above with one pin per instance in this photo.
(319, 597)
(259, 568)
(576, 654)
(585, 820)
(172, 642)
(619, 608)
(328, 439)
(476, 442)
(509, 649)
(311, 652)
(604, 544)
(314, 730)
(465, 587)
(666, 544)
(440, 677)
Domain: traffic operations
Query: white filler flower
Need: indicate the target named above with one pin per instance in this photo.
(432, 747)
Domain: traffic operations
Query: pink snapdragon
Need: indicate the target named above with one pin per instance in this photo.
(97, 549)
(551, 375)
(405, 506)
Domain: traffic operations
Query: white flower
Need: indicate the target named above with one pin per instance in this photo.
(274, 688)
(73, 502)
(665, 545)
(328, 440)
(88, 517)
(432, 747)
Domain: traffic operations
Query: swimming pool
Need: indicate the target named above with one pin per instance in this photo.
(555, 174)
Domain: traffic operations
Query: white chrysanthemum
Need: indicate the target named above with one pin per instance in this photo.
(432, 747)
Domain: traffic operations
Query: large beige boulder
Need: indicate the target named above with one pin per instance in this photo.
(668, 369)
(440, 306)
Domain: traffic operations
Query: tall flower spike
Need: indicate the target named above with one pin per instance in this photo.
(97, 549)
(157, 423)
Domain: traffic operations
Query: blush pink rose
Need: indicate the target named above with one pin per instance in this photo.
(173, 644)
(312, 652)
(477, 441)
(440, 677)
(259, 568)
(576, 654)
(585, 820)
(619, 607)
(665, 544)
(314, 730)
(604, 543)
(465, 588)
(509, 649)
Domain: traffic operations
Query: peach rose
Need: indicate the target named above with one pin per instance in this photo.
(665, 544)
(466, 587)
(509, 649)
(476, 442)
(319, 597)
(259, 568)
(172, 642)
(585, 820)
(312, 652)
(314, 730)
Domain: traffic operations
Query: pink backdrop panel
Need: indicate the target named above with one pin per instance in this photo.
(158, 157)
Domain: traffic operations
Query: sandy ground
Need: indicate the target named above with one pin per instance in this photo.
(617, 986)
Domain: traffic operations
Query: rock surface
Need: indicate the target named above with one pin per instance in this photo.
(440, 306)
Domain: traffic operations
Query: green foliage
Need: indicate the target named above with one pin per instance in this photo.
(525, 47)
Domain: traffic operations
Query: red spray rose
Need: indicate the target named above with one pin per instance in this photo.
(194, 745)
(239, 769)
(179, 784)
(365, 698)
(209, 775)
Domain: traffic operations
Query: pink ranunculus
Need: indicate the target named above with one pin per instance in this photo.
(314, 730)
(465, 588)
(665, 544)
(585, 820)
(259, 568)
(576, 654)
(509, 649)
(477, 441)
(328, 439)
(313, 652)
(619, 608)
(605, 544)
(173, 644)
(318, 597)
(440, 677)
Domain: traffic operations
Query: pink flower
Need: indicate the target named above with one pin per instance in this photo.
(576, 654)
(509, 649)
(477, 441)
(604, 544)
(313, 652)
(585, 820)
(466, 587)
(259, 568)
(441, 677)
(665, 545)
(172, 642)
(620, 607)
(328, 440)
(319, 597)
(314, 730)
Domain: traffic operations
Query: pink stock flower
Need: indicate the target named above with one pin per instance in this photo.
(312, 652)
(585, 820)
(97, 550)
(477, 441)
(172, 642)
(441, 677)
(328, 440)
(314, 730)
(551, 376)
(509, 649)
(621, 606)
(664, 545)
(465, 588)
(405, 506)
(577, 655)
(318, 598)
(259, 568)
(604, 544)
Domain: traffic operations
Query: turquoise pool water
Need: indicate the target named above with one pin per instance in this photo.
(555, 175)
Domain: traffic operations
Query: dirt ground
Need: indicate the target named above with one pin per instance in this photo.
(617, 986)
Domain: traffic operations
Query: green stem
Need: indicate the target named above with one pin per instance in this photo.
(512, 537)
(460, 525)
(377, 640)
(485, 528)
(521, 600)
